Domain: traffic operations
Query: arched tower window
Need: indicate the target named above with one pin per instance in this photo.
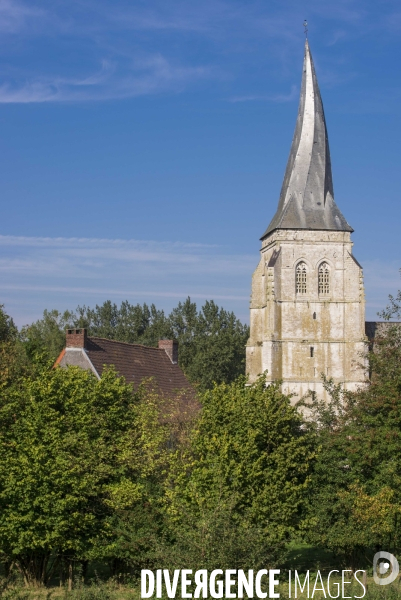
(324, 278)
(300, 278)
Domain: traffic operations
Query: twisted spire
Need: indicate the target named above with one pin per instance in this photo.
(307, 196)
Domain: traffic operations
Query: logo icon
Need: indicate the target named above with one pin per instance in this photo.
(387, 560)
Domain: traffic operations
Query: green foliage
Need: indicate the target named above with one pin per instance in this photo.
(243, 477)
(47, 335)
(213, 535)
(62, 435)
(94, 591)
(355, 506)
(135, 500)
(91, 471)
(391, 592)
(15, 594)
(8, 330)
(13, 359)
(212, 340)
(127, 323)
(212, 343)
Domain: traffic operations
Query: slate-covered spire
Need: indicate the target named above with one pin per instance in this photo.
(307, 197)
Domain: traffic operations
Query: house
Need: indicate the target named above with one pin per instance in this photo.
(133, 361)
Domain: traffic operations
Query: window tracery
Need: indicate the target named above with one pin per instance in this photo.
(324, 278)
(300, 278)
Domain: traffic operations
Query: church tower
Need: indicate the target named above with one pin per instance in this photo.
(307, 302)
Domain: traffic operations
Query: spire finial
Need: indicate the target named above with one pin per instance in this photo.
(306, 28)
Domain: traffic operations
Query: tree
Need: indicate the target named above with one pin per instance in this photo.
(13, 358)
(127, 323)
(137, 517)
(212, 343)
(47, 335)
(8, 330)
(243, 477)
(355, 497)
(62, 437)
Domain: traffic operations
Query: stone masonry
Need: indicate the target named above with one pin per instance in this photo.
(298, 337)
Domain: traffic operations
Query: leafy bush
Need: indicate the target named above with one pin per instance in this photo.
(236, 492)
(355, 497)
(72, 455)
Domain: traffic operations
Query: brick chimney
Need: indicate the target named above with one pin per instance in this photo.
(171, 349)
(76, 338)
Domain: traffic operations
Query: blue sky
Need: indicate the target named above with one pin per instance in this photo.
(144, 144)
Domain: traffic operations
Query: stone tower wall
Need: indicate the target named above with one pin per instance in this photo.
(298, 337)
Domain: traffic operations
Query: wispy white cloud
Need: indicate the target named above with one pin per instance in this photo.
(60, 272)
(105, 291)
(64, 272)
(15, 16)
(86, 257)
(206, 17)
(186, 18)
(112, 34)
(150, 75)
(337, 35)
(16, 240)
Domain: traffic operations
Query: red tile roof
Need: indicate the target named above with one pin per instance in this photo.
(136, 362)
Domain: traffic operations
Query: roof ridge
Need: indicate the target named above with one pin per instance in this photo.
(393, 322)
(94, 337)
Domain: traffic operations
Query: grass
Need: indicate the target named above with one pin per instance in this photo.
(107, 591)
(301, 557)
(93, 591)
